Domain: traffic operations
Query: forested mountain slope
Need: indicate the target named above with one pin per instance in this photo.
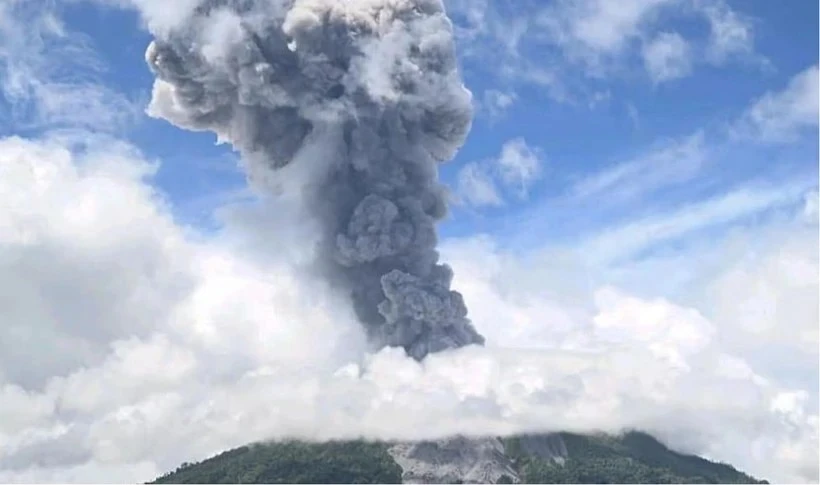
(550, 458)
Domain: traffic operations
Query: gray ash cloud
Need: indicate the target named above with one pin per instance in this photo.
(372, 88)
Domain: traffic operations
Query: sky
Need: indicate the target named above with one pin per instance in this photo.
(633, 224)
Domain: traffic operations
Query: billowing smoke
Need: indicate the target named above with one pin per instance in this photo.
(372, 87)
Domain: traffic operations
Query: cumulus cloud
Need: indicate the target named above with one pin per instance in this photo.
(194, 344)
(678, 316)
(69, 223)
(774, 298)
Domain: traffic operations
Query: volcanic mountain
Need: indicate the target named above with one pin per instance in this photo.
(632, 457)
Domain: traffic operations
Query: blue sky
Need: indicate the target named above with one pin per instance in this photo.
(583, 105)
(633, 225)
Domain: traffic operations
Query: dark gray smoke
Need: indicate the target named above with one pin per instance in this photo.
(374, 85)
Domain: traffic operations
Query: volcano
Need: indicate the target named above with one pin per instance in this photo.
(632, 457)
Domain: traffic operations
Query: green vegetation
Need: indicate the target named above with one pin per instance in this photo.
(631, 458)
(294, 462)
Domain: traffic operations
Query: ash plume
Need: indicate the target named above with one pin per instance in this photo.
(370, 86)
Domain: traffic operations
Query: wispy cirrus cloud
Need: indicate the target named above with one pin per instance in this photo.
(667, 163)
(631, 238)
(779, 117)
(561, 43)
(49, 75)
(677, 188)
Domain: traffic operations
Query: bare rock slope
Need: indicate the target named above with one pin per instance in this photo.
(453, 460)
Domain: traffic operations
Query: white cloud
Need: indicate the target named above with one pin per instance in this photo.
(602, 35)
(203, 344)
(36, 54)
(773, 296)
(780, 117)
(667, 57)
(593, 30)
(668, 163)
(516, 168)
(477, 187)
(636, 236)
(731, 34)
(67, 223)
(488, 29)
(678, 321)
(519, 165)
(757, 282)
(495, 103)
(556, 44)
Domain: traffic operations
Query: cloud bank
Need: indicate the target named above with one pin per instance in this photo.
(155, 346)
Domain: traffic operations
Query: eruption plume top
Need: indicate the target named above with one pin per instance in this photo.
(373, 87)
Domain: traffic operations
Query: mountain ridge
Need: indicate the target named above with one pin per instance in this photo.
(631, 457)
